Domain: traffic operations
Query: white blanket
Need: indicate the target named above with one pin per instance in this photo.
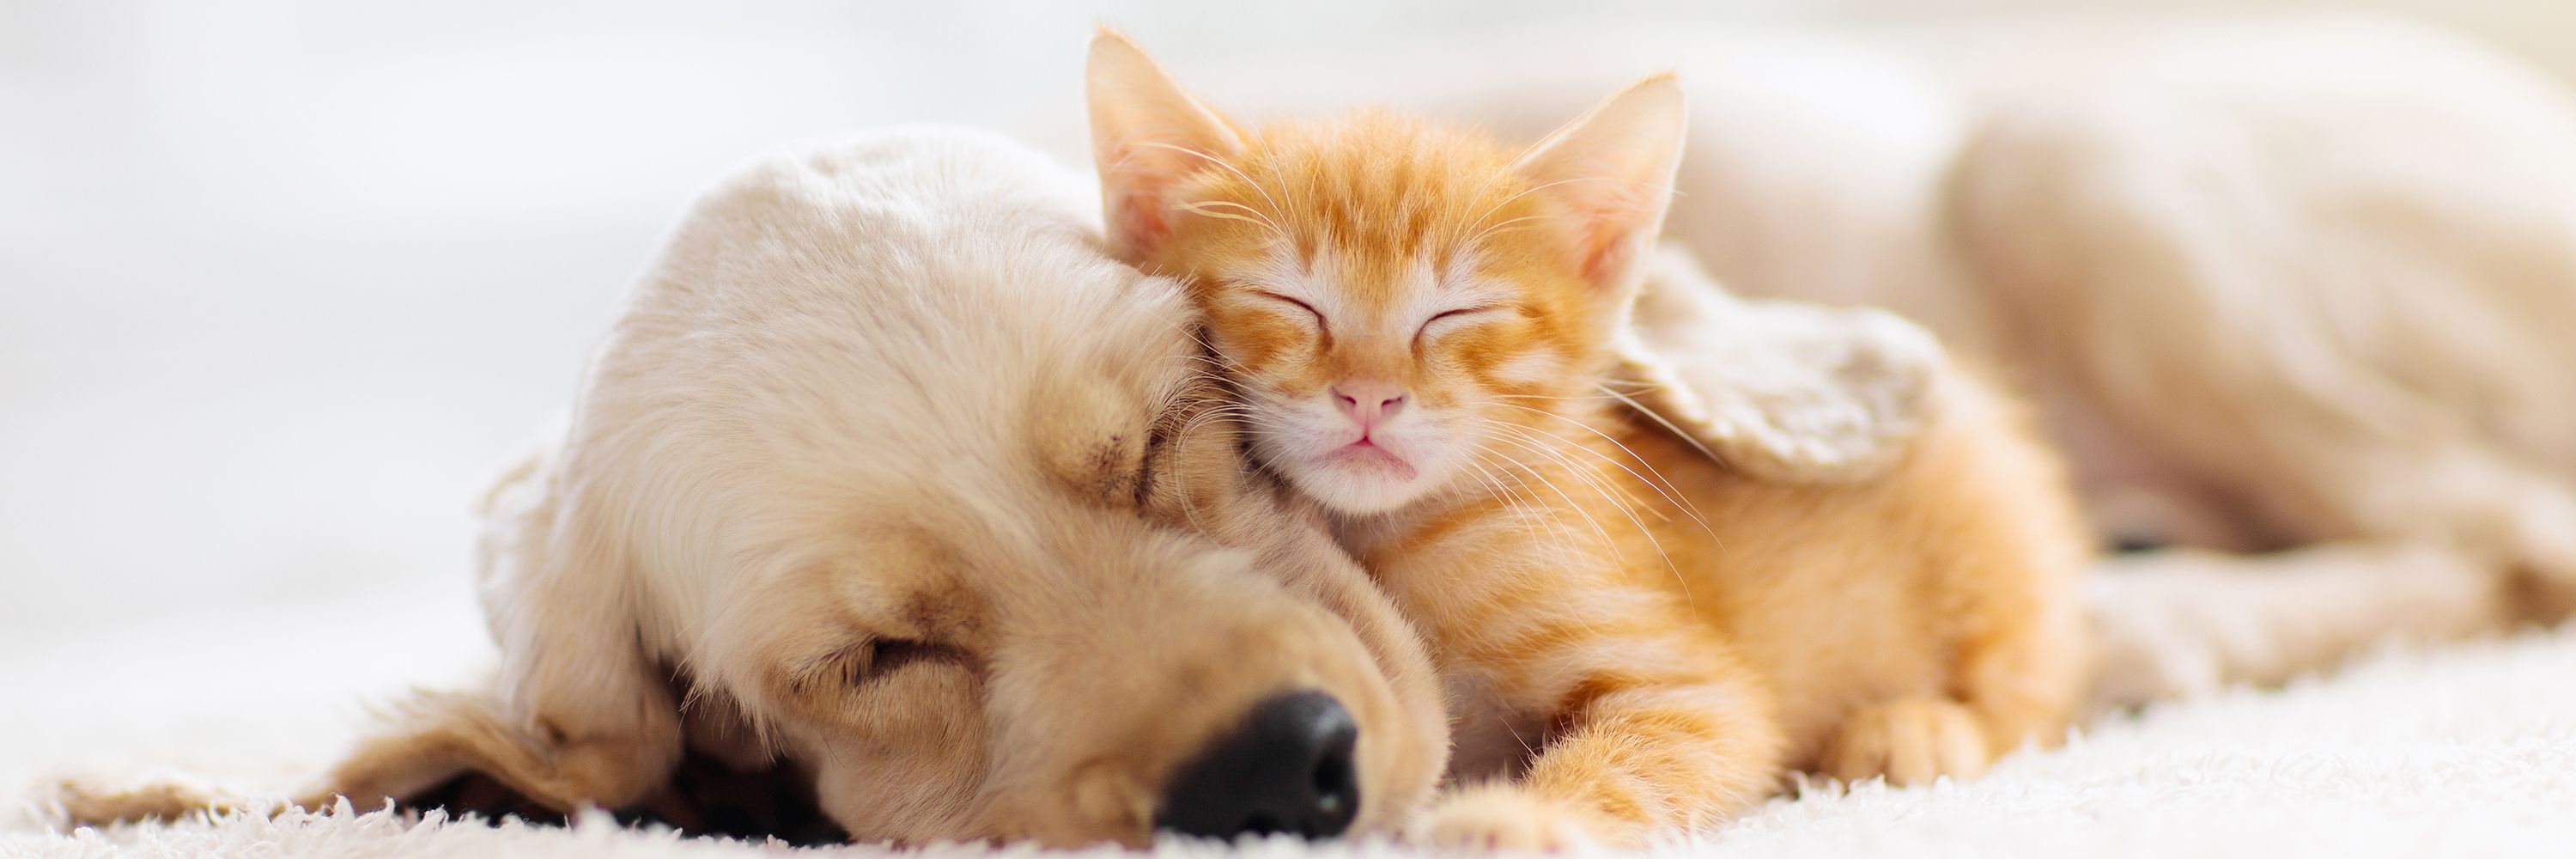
(2465, 750)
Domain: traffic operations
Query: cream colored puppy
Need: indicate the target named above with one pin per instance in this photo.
(2294, 292)
(888, 472)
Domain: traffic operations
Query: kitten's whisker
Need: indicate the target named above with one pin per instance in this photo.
(1652, 478)
(1519, 501)
(1207, 208)
(1544, 480)
(1558, 456)
(1493, 484)
(1589, 398)
(1609, 493)
(1229, 167)
(1521, 472)
(1498, 227)
(1659, 420)
(1506, 201)
(1624, 504)
(1654, 191)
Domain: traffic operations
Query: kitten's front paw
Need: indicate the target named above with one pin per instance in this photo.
(1911, 741)
(1499, 818)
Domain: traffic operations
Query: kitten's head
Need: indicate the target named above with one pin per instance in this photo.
(1402, 304)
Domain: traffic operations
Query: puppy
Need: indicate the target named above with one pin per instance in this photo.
(2291, 291)
(888, 472)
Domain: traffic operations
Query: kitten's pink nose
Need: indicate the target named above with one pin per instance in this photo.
(1368, 402)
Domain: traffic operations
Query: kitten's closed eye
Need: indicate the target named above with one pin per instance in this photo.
(1451, 319)
(1309, 308)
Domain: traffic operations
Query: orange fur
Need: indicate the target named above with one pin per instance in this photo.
(1637, 636)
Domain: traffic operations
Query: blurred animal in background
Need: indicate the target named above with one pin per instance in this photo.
(2294, 292)
(1825, 548)
(890, 483)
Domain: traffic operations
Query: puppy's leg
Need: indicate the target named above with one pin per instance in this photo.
(2176, 623)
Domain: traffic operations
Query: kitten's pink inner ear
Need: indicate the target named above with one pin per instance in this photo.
(1146, 136)
(1612, 170)
(1136, 224)
(1607, 244)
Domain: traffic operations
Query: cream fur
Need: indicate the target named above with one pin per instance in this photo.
(1787, 391)
(2275, 284)
(891, 390)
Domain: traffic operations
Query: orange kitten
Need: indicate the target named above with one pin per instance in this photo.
(1417, 322)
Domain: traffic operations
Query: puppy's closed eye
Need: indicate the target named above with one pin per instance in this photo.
(889, 655)
(860, 665)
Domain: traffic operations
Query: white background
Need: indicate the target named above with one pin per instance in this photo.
(282, 281)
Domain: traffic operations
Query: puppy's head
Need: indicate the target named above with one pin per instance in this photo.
(1059, 609)
(890, 475)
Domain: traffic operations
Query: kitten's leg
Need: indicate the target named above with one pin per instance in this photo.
(1657, 726)
(1909, 741)
(2018, 680)
(2021, 657)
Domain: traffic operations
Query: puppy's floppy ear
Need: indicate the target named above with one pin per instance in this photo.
(429, 739)
(1146, 135)
(579, 714)
(1611, 170)
(1785, 391)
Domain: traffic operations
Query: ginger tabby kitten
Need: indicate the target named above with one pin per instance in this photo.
(1418, 321)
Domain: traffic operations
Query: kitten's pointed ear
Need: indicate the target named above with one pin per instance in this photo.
(1613, 170)
(1146, 135)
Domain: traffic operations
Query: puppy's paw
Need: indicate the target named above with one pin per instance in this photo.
(2544, 580)
(1910, 741)
(1504, 819)
(2145, 656)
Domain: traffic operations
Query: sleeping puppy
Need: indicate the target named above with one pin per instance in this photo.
(2292, 291)
(887, 472)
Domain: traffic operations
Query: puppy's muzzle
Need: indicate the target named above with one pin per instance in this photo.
(1289, 769)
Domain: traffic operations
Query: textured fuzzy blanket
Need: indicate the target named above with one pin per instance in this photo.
(2465, 750)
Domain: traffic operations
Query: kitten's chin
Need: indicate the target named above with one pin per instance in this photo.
(1358, 481)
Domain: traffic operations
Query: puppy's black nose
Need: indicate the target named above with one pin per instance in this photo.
(1288, 769)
